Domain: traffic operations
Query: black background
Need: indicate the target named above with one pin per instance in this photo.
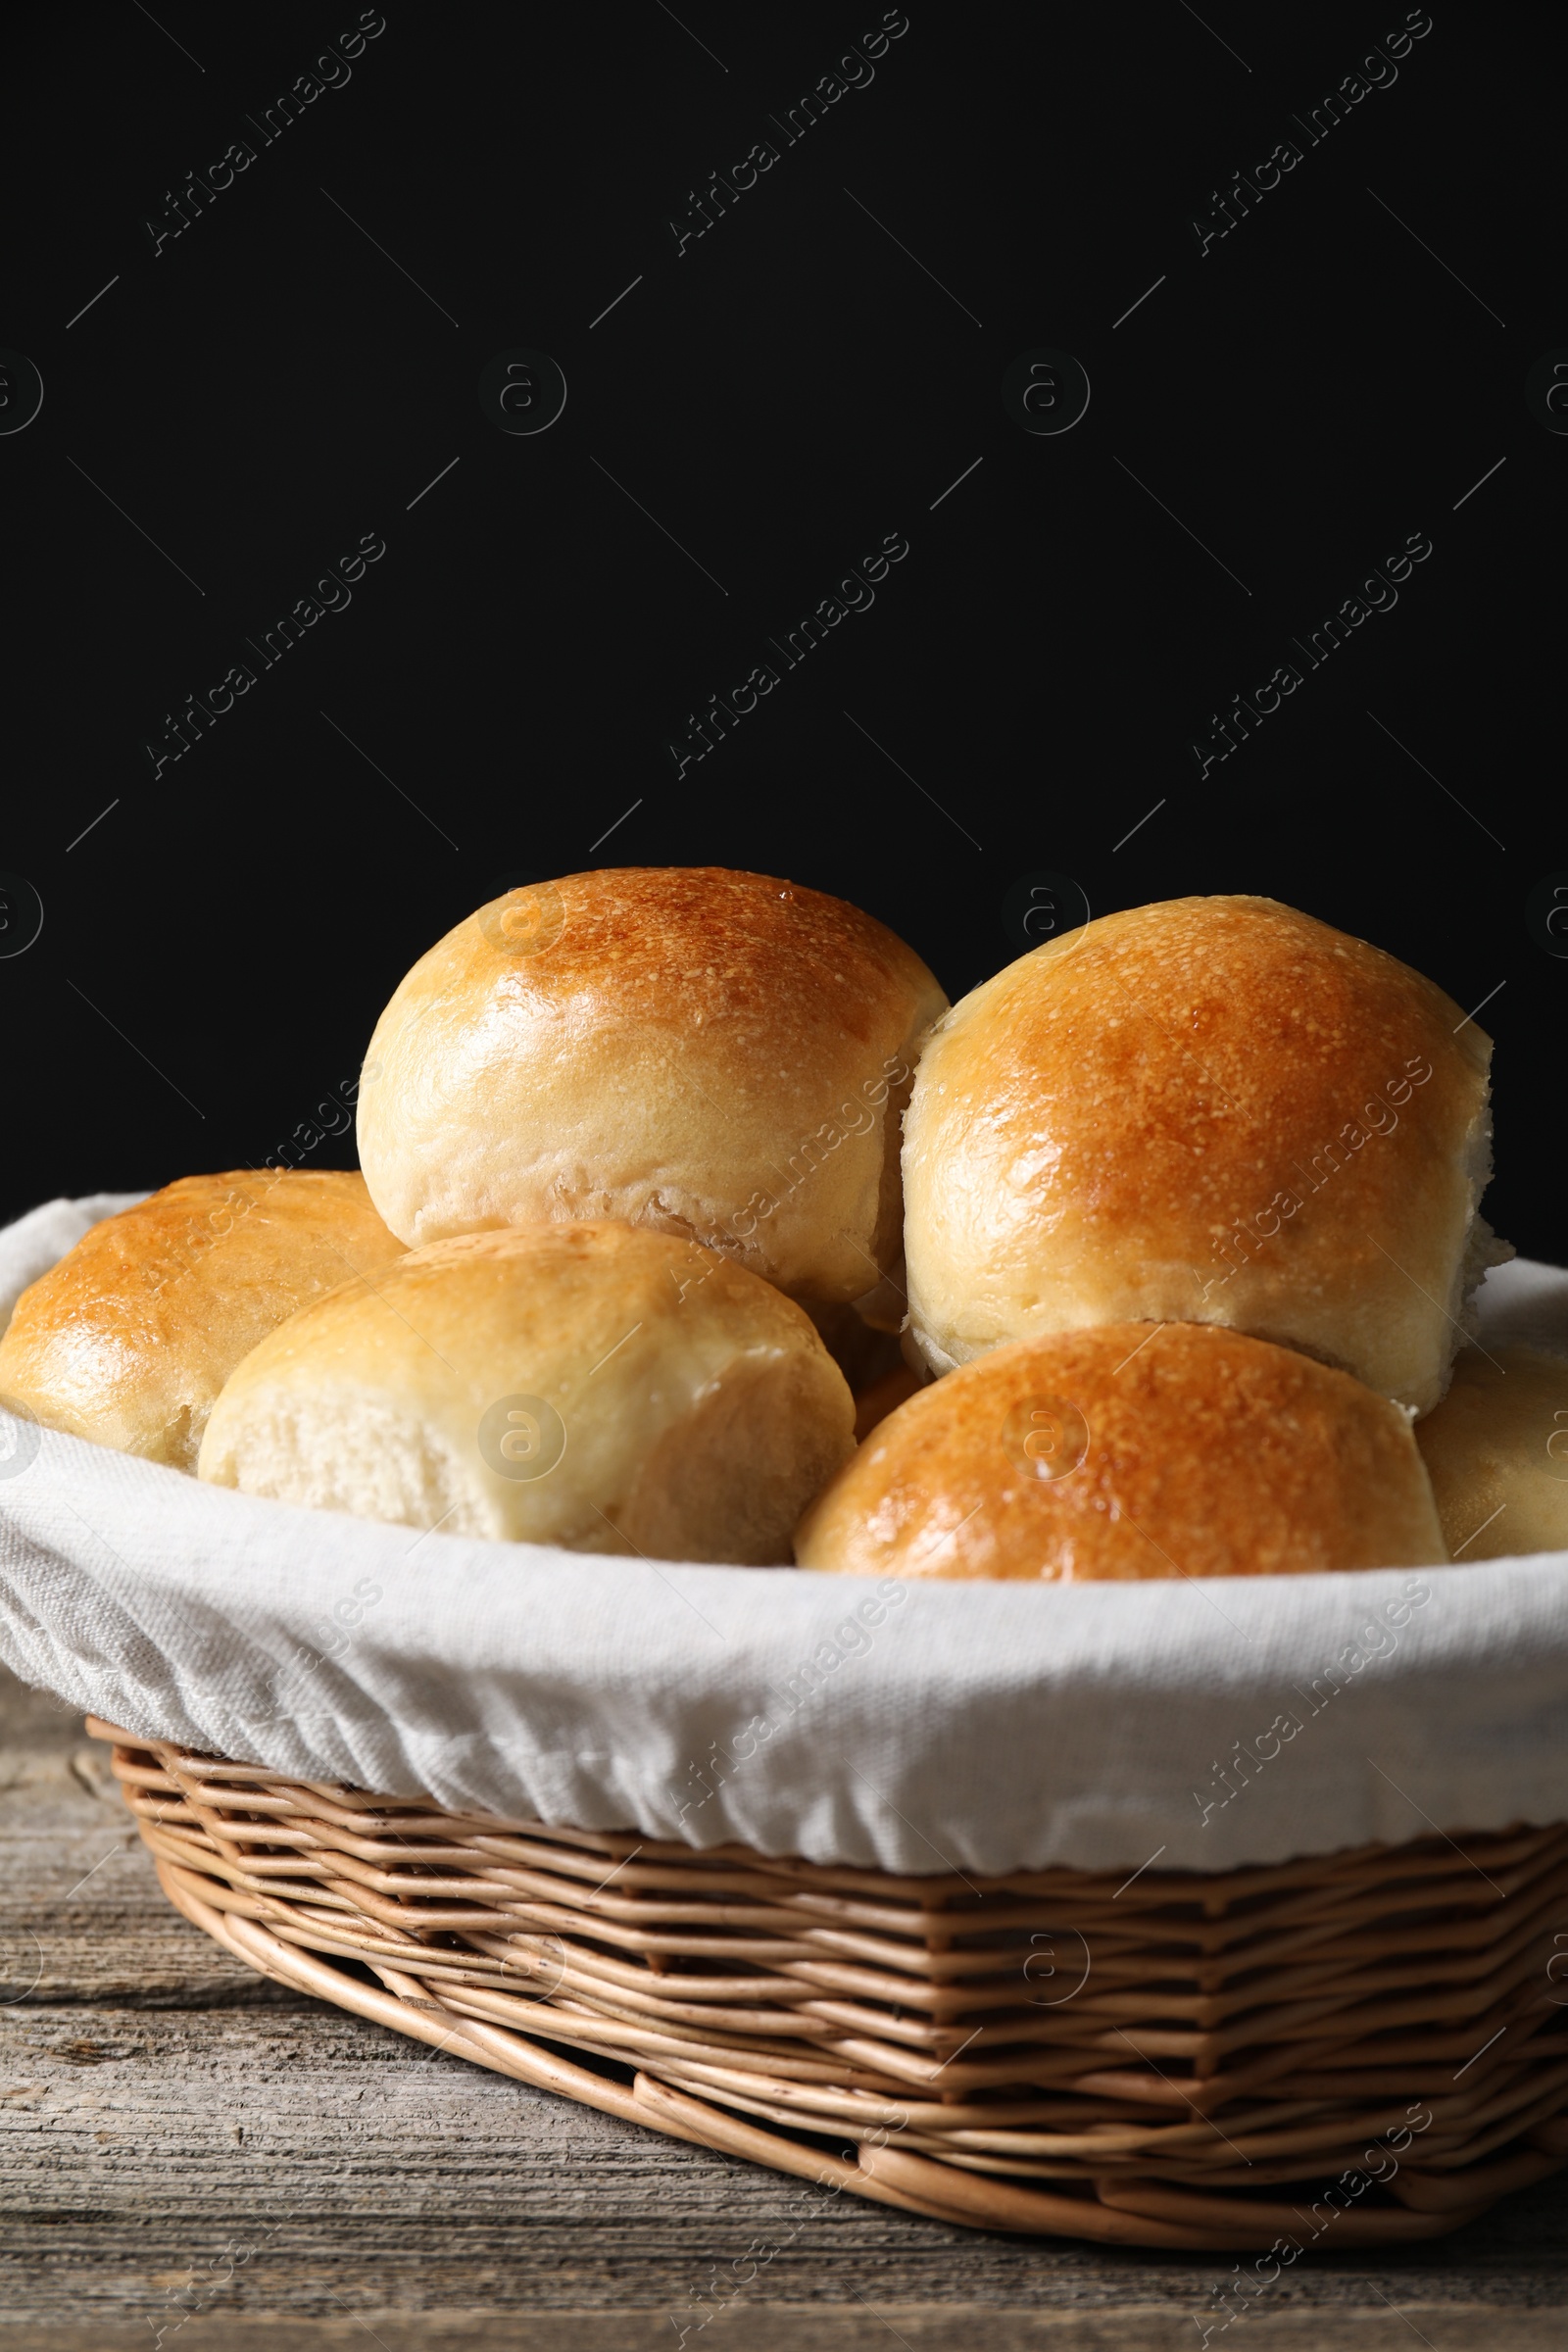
(780, 395)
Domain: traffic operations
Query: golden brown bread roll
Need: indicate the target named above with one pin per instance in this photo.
(1496, 1449)
(590, 1384)
(130, 1338)
(1211, 1111)
(1142, 1450)
(709, 1053)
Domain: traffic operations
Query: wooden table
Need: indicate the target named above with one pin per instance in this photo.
(194, 2159)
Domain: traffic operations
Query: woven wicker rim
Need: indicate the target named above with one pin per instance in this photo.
(1166, 2053)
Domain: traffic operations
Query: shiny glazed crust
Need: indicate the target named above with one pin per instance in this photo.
(709, 1053)
(1214, 1110)
(128, 1340)
(1181, 1450)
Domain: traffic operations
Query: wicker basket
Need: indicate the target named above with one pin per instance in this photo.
(1177, 2060)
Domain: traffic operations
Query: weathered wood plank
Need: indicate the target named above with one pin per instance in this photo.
(814, 2328)
(81, 1919)
(184, 2147)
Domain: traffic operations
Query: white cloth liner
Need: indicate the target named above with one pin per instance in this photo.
(917, 1727)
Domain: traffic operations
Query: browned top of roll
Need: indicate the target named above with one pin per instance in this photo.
(1217, 1109)
(1134, 1452)
(130, 1338)
(705, 1052)
(688, 945)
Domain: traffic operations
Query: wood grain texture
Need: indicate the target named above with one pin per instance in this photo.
(820, 2327)
(187, 2149)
